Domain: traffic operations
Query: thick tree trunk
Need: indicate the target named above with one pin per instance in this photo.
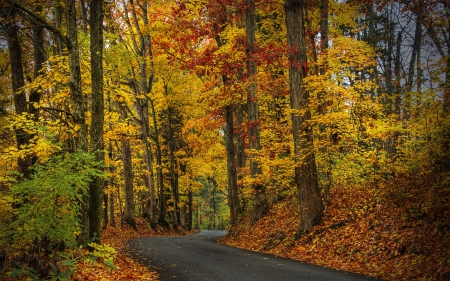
(172, 166)
(233, 196)
(20, 100)
(311, 205)
(260, 203)
(97, 117)
(233, 188)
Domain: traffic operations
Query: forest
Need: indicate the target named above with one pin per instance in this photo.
(316, 130)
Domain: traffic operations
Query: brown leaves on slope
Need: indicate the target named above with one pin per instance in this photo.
(366, 231)
(127, 267)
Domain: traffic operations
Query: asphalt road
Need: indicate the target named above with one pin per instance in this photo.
(199, 257)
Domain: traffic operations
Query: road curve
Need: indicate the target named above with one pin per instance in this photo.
(199, 257)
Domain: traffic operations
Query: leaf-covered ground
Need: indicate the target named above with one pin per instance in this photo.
(127, 267)
(85, 267)
(402, 234)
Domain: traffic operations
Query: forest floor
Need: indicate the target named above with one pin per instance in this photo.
(396, 235)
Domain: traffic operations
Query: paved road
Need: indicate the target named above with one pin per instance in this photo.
(199, 257)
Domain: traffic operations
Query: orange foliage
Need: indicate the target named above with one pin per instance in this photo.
(387, 237)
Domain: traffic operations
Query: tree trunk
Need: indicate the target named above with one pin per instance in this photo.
(142, 107)
(398, 76)
(323, 25)
(233, 189)
(233, 196)
(172, 165)
(240, 148)
(78, 107)
(311, 205)
(159, 171)
(20, 100)
(39, 60)
(416, 46)
(57, 50)
(189, 215)
(112, 217)
(97, 117)
(128, 214)
(322, 97)
(105, 218)
(260, 203)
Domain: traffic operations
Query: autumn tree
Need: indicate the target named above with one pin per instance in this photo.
(78, 99)
(141, 84)
(311, 205)
(260, 204)
(214, 62)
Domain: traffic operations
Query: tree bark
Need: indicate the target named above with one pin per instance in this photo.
(189, 214)
(260, 203)
(97, 116)
(172, 165)
(20, 100)
(233, 196)
(323, 25)
(128, 213)
(78, 105)
(311, 205)
(322, 96)
(159, 171)
(39, 60)
(416, 46)
(240, 136)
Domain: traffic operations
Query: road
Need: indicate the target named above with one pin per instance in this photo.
(199, 257)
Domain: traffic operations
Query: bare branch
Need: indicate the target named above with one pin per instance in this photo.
(45, 23)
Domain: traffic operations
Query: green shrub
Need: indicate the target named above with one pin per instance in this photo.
(49, 202)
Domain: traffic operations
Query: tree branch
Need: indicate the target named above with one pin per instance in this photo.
(45, 24)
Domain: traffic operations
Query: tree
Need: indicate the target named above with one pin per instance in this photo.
(260, 204)
(142, 87)
(129, 210)
(97, 115)
(17, 76)
(311, 205)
